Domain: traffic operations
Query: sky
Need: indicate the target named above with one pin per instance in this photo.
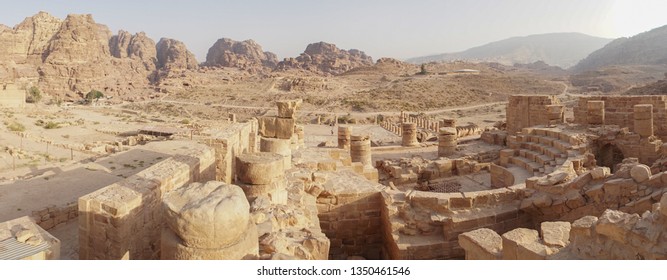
(382, 28)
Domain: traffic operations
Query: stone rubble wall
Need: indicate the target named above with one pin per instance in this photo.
(407, 171)
(52, 216)
(614, 235)
(619, 110)
(124, 220)
(632, 189)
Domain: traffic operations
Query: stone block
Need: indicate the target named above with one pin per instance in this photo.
(246, 247)
(556, 233)
(600, 172)
(640, 173)
(198, 212)
(616, 224)
(285, 128)
(583, 227)
(288, 108)
(267, 126)
(259, 168)
(481, 244)
(516, 237)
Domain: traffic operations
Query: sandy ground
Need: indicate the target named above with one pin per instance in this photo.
(59, 186)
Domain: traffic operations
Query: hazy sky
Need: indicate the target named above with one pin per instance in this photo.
(382, 28)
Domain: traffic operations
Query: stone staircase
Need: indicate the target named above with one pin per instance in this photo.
(542, 151)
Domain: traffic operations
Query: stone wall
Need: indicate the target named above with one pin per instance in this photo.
(618, 110)
(349, 213)
(52, 216)
(614, 235)
(501, 177)
(12, 96)
(237, 139)
(532, 110)
(632, 188)
(124, 220)
(426, 225)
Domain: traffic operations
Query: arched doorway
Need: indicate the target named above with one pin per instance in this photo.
(609, 155)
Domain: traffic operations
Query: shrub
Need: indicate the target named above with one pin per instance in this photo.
(15, 126)
(94, 94)
(34, 95)
(50, 125)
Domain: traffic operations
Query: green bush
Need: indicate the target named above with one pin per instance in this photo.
(51, 125)
(94, 95)
(15, 126)
(34, 95)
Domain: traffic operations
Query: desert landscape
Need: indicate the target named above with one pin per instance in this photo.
(122, 147)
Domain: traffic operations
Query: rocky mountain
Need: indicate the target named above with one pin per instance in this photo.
(173, 54)
(646, 48)
(326, 58)
(244, 55)
(67, 58)
(558, 49)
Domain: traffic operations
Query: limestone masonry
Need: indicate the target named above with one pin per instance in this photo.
(539, 187)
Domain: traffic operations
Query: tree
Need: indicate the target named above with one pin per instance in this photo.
(423, 70)
(94, 94)
(34, 95)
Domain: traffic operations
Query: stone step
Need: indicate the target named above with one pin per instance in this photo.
(535, 156)
(525, 163)
(544, 149)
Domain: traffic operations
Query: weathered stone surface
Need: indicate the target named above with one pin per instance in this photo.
(556, 233)
(326, 58)
(207, 215)
(246, 247)
(663, 204)
(516, 237)
(259, 168)
(284, 128)
(278, 146)
(288, 108)
(173, 54)
(244, 55)
(640, 173)
(616, 224)
(583, 226)
(600, 172)
(481, 244)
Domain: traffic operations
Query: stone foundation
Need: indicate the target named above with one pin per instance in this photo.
(124, 220)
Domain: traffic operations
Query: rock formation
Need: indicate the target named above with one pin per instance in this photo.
(327, 59)
(137, 47)
(173, 54)
(245, 55)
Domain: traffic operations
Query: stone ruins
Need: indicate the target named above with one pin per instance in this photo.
(540, 186)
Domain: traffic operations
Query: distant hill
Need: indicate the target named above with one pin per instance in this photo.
(557, 49)
(648, 48)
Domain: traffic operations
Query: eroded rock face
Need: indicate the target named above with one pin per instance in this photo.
(67, 58)
(137, 47)
(173, 54)
(326, 58)
(245, 55)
